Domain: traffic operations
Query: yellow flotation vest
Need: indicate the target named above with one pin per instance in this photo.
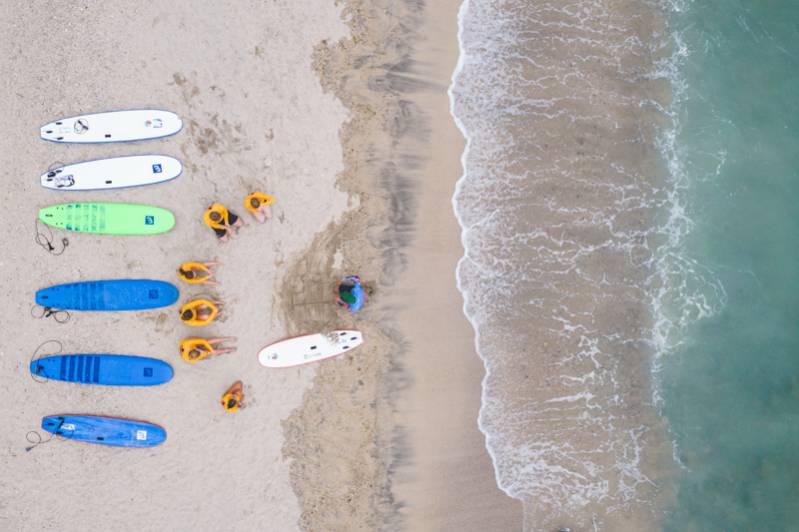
(194, 307)
(233, 397)
(263, 199)
(193, 267)
(195, 349)
(223, 212)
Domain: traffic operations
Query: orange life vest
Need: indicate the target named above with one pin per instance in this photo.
(194, 307)
(190, 346)
(223, 223)
(194, 267)
(263, 199)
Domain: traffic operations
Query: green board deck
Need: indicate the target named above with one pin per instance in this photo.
(108, 218)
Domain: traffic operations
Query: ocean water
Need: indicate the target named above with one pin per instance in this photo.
(560, 104)
(630, 228)
(729, 357)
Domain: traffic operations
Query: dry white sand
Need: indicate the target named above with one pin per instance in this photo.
(255, 117)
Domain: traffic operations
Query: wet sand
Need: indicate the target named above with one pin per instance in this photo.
(392, 429)
(448, 483)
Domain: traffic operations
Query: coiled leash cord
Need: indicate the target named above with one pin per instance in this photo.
(61, 316)
(45, 240)
(36, 356)
(35, 438)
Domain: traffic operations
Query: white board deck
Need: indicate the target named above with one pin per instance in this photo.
(309, 348)
(116, 172)
(113, 126)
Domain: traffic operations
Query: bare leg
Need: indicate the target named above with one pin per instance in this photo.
(216, 341)
(266, 210)
(258, 215)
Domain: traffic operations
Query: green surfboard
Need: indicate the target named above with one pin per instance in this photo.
(108, 218)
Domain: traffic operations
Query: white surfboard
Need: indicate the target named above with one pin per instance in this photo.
(308, 348)
(116, 172)
(113, 126)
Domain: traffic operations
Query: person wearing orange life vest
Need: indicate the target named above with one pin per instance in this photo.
(233, 398)
(258, 205)
(192, 350)
(199, 312)
(197, 272)
(222, 221)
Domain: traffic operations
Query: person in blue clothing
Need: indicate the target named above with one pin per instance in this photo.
(350, 293)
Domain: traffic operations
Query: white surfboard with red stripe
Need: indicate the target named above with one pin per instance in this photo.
(309, 348)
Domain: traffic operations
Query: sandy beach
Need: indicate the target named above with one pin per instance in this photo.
(255, 117)
(397, 435)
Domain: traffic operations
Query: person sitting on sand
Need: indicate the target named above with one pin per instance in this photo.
(197, 272)
(258, 205)
(233, 398)
(199, 312)
(222, 221)
(350, 293)
(193, 350)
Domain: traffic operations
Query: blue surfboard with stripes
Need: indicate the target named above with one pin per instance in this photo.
(102, 430)
(109, 295)
(108, 370)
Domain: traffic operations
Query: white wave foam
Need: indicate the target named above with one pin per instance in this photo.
(492, 96)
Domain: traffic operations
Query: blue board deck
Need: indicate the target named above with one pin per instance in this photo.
(115, 294)
(103, 430)
(108, 370)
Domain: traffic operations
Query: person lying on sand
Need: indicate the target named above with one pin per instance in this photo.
(197, 272)
(199, 312)
(233, 399)
(193, 350)
(222, 221)
(258, 205)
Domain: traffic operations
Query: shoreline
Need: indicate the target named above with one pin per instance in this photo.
(441, 406)
(563, 329)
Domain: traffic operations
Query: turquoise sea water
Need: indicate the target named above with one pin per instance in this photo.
(730, 382)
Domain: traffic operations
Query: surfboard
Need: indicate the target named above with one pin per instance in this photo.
(115, 172)
(108, 295)
(103, 430)
(113, 126)
(108, 370)
(108, 218)
(309, 348)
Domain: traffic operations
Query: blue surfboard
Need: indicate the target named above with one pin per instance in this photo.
(115, 294)
(109, 370)
(105, 430)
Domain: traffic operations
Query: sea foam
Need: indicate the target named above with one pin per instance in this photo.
(561, 205)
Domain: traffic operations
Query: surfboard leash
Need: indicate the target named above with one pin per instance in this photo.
(35, 438)
(36, 356)
(45, 240)
(60, 316)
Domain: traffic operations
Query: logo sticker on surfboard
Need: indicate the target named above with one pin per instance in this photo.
(156, 168)
(149, 220)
